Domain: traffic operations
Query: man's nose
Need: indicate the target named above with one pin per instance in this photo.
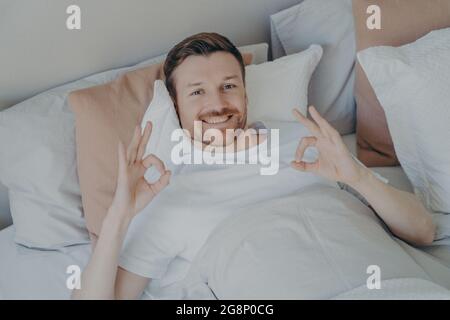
(217, 101)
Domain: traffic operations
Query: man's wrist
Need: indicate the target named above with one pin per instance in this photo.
(116, 219)
(363, 180)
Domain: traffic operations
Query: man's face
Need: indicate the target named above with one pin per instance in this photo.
(211, 90)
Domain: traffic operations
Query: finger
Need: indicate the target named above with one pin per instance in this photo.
(312, 127)
(323, 124)
(162, 182)
(305, 166)
(132, 148)
(303, 145)
(152, 160)
(144, 140)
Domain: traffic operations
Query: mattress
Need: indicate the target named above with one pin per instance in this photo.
(36, 274)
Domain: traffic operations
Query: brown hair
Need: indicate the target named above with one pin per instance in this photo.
(204, 44)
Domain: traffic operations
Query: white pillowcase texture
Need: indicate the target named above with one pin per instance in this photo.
(412, 83)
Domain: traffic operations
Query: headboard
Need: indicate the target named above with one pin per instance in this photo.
(38, 52)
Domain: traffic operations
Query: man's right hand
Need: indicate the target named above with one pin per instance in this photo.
(133, 191)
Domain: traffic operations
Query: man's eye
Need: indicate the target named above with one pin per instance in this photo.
(195, 93)
(229, 86)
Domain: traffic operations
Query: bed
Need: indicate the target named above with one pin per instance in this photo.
(28, 273)
(38, 274)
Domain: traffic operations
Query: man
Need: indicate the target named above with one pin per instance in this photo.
(205, 77)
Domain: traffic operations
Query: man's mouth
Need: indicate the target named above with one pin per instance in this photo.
(217, 119)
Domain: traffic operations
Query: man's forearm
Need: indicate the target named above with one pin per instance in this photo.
(402, 211)
(99, 277)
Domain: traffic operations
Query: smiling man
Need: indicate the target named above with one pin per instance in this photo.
(205, 76)
(207, 85)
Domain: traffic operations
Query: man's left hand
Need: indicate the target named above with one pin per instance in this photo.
(334, 161)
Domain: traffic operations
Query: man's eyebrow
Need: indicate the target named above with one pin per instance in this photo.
(235, 76)
(195, 84)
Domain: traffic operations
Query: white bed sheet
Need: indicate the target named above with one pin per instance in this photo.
(35, 274)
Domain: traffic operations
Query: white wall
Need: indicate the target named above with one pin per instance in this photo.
(38, 52)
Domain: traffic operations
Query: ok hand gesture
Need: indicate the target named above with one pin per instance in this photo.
(334, 161)
(133, 192)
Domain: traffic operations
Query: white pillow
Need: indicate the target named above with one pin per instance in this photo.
(161, 112)
(275, 88)
(412, 83)
(328, 23)
(38, 162)
(38, 166)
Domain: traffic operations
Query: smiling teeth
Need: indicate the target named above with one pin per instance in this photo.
(216, 120)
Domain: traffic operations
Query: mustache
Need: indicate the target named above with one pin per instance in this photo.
(227, 111)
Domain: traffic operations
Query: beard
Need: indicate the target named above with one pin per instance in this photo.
(228, 119)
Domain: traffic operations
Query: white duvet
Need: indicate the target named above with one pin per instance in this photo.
(317, 244)
(398, 289)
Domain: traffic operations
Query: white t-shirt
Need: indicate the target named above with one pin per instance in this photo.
(163, 240)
